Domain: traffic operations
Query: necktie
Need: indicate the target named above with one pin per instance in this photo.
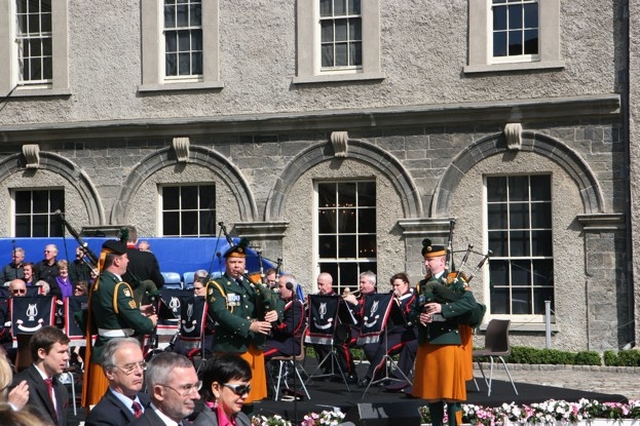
(49, 383)
(137, 409)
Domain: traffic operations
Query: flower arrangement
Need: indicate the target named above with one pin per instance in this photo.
(545, 412)
(324, 418)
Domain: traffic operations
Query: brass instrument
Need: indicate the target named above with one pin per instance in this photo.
(347, 292)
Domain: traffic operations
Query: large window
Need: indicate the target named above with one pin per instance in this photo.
(179, 45)
(183, 39)
(338, 40)
(347, 230)
(34, 38)
(509, 35)
(35, 212)
(34, 48)
(188, 210)
(520, 236)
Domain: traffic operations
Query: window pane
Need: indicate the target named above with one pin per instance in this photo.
(519, 243)
(23, 201)
(354, 7)
(327, 195)
(347, 193)
(40, 226)
(515, 17)
(327, 221)
(182, 14)
(171, 224)
(541, 215)
(520, 272)
(341, 55)
(518, 188)
(341, 30)
(184, 64)
(540, 296)
(169, 17)
(196, 14)
(541, 188)
(499, 18)
(57, 201)
(515, 43)
(349, 275)
(325, 7)
(531, 15)
(497, 216)
(170, 198)
(189, 197)
(499, 272)
(521, 301)
(327, 56)
(339, 7)
(498, 243)
(40, 201)
(326, 31)
(541, 243)
(543, 272)
(500, 301)
(496, 189)
(347, 220)
(355, 54)
(207, 197)
(207, 223)
(355, 29)
(367, 246)
(189, 223)
(184, 40)
(367, 221)
(46, 22)
(327, 247)
(531, 42)
(347, 246)
(23, 226)
(367, 194)
(519, 216)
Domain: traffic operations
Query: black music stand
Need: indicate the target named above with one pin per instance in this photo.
(323, 326)
(393, 313)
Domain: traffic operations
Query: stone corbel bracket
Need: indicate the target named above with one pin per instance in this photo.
(181, 148)
(31, 153)
(340, 142)
(513, 134)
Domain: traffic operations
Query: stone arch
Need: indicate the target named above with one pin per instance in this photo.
(363, 151)
(197, 155)
(61, 166)
(556, 151)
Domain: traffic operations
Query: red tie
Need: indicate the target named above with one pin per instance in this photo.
(137, 409)
(49, 383)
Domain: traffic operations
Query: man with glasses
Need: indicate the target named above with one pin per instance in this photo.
(173, 385)
(18, 288)
(124, 366)
(47, 268)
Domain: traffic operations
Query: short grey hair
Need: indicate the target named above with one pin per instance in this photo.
(161, 365)
(290, 278)
(108, 356)
(369, 276)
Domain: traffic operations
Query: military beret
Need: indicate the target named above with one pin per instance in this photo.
(115, 247)
(239, 250)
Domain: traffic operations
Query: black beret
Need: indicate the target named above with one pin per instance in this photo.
(115, 247)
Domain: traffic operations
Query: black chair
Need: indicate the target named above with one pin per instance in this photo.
(496, 345)
(294, 364)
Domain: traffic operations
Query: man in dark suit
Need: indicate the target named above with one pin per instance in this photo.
(124, 365)
(173, 385)
(143, 265)
(49, 399)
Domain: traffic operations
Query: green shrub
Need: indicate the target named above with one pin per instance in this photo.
(611, 358)
(588, 358)
(630, 358)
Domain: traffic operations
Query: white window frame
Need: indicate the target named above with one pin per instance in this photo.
(481, 40)
(309, 64)
(198, 210)
(358, 260)
(50, 213)
(529, 317)
(10, 81)
(153, 78)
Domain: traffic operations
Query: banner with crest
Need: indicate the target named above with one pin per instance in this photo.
(30, 314)
(323, 319)
(376, 312)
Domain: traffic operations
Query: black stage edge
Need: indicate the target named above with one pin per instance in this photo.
(378, 407)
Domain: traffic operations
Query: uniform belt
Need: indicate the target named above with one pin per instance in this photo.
(120, 332)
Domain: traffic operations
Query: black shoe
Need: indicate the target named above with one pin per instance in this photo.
(396, 387)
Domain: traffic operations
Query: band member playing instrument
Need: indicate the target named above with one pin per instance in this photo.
(397, 334)
(112, 313)
(286, 336)
(237, 305)
(440, 368)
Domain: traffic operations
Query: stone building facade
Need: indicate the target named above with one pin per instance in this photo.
(422, 109)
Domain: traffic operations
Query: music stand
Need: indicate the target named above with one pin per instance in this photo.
(370, 332)
(324, 313)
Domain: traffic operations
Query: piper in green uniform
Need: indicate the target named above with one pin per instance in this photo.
(112, 313)
(244, 312)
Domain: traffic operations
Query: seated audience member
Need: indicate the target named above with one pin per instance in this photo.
(286, 336)
(143, 265)
(17, 288)
(47, 268)
(44, 289)
(270, 278)
(124, 401)
(144, 246)
(79, 270)
(15, 269)
(61, 285)
(49, 349)
(81, 288)
(29, 277)
(19, 395)
(226, 383)
(172, 384)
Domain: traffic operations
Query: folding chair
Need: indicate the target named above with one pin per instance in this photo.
(295, 362)
(188, 280)
(172, 280)
(496, 345)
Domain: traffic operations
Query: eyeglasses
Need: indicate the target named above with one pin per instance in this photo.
(238, 389)
(185, 390)
(19, 291)
(131, 368)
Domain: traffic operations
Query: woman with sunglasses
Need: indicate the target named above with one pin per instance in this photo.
(225, 387)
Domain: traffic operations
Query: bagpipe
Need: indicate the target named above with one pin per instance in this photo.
(453, 286)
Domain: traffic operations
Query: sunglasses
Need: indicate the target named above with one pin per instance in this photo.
(19, 291)
(238, 389)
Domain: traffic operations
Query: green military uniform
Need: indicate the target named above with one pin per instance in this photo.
(234, 305)
(115, 313)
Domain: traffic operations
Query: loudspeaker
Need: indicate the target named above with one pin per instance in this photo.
(383, 414)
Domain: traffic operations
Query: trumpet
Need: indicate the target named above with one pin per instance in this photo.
(347, 292)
